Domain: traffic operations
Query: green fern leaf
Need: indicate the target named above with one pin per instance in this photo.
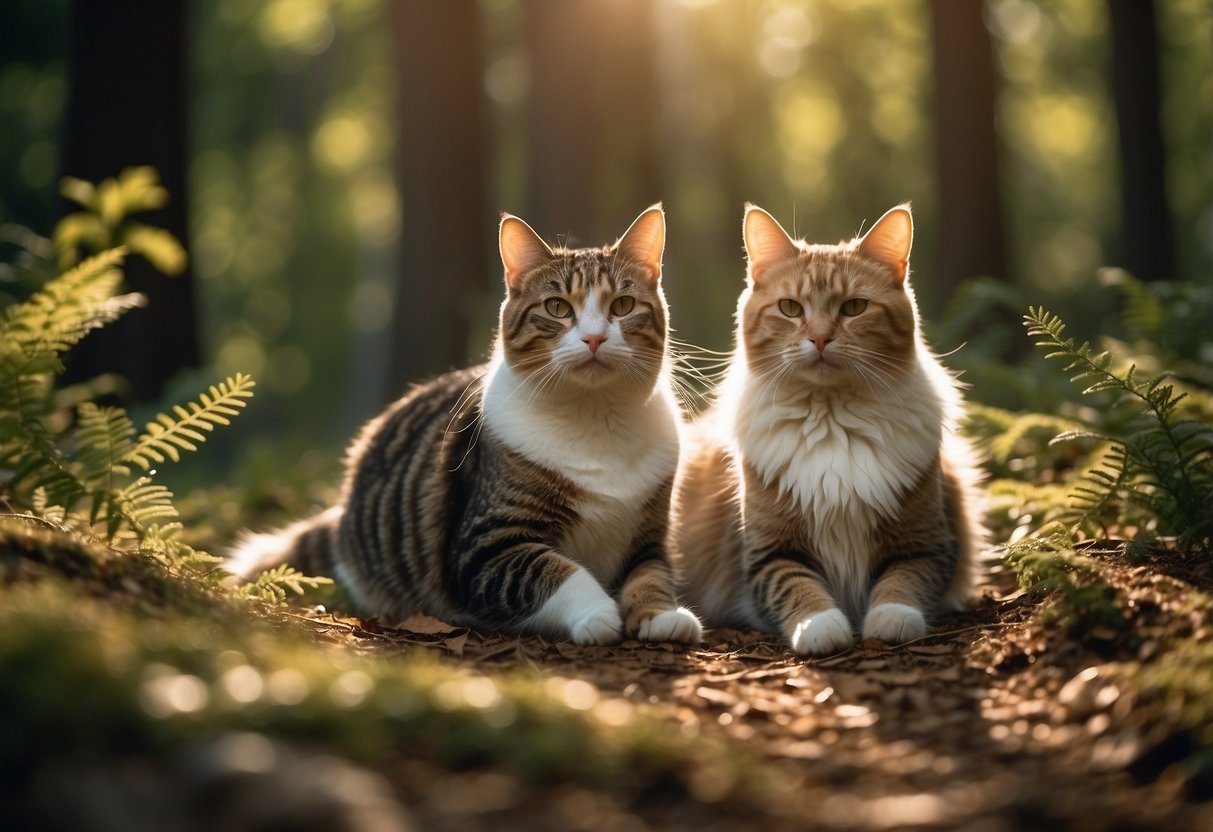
(104, 436)
(165, 437)
(1074, 435)
(79, 191)
(157, 245)
(140, 505)
(66, 309)
(271, 586)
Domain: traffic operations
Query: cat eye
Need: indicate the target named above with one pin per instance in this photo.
(791, 308)
(854, 306)
(622, 305)
(558, 308)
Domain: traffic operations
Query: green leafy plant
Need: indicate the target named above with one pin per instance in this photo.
(83, 467)
(104, 222)
(1076, 596)
(86, 472)
(1156, 471)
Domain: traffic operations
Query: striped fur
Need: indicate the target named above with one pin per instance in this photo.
(530, 494)
(827, 493)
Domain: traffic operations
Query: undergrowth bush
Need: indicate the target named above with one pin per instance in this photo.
(79, 466)
(1131, 458)
(1125, 466)
(1155, 471)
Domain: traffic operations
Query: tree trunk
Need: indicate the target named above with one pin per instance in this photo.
(445, 261)
(593, 141)
(127, 80)
(1146, 234)
(971, 233)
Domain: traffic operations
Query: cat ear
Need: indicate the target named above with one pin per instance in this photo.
(766, 243)
(890, 239)
(521, 249)
(644, 241)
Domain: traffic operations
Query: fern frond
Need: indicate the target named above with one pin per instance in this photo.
(1098, 488)
(42, 508)
(43, 465)
(1144, 313)
(139, 506)
(166, 437)
(161, 544)
(1003, 446)
(62, 312)
(271, 585)
(104, 437)
(1079, 598)
(1161, 464)
(1074, 435)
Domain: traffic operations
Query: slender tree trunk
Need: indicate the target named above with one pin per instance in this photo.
(443, 184)
(1146, 232)
(593, 140)
(971, 232)
(128, 89)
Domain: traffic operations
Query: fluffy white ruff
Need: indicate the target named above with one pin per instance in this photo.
(678, 625)
(822, 634)
(580, 610)
(894, 623)
(617, 443)
(844, 456)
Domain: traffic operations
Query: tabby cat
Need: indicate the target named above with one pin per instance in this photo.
(826, 490)
(530, 494)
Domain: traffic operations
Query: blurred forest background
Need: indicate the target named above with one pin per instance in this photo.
(336, 167)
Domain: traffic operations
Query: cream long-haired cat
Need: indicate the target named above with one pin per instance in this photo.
(826, 493)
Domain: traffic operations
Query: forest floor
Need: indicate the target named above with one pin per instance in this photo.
(996, 721)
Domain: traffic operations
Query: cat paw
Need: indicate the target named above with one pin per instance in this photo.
(579, 610)
(823, 633)
(894, 623)
(678, 625)
(601, 625)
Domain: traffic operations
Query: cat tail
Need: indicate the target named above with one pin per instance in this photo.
(307, 545)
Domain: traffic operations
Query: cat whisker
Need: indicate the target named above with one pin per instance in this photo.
(875, 376)
(867, 375)
(954, 350)
(886, 367)
(688, 348)
(856, 349)
(468, 396)
(554, 373)
(773, 379)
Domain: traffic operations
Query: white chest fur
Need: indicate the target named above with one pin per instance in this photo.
(845, 459)
(619, 449)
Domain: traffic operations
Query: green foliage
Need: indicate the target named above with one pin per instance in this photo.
(85, 471)
(271, 586)
(1157, 469)
(1076, 596)
(80, 466)
(166, 436)
(1171, 320)
(1129, 461)
(104, 223)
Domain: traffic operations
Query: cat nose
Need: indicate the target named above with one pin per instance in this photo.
(820, 343)
(593, 342)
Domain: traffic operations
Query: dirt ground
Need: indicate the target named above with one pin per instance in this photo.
(994, 722)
